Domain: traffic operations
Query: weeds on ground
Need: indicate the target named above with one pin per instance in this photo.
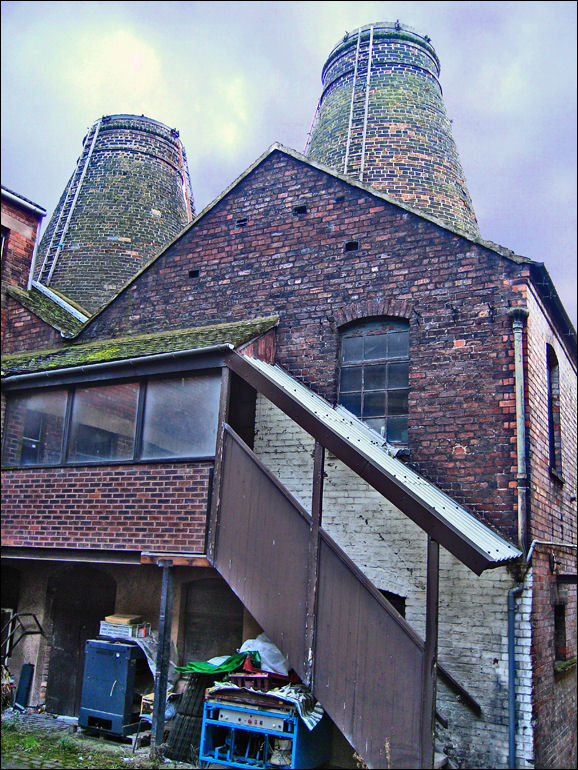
(72, 750)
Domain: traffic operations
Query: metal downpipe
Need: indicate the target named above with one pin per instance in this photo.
(512, 593)
(519, 316)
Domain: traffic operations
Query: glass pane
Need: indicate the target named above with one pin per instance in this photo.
(373, 404)
(352, 349)
(33, 430)
(103, 423)
(397, 402)
(374, 377)
(398, 345)
(350, 379)
(377, 424)
(181, 417)
(398, 375)
(397, 430)
(352, 402)
(375, 346)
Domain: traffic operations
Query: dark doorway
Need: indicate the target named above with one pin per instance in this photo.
(213, 619)
(80, 598)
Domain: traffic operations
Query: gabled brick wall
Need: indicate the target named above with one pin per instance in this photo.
(256, 255)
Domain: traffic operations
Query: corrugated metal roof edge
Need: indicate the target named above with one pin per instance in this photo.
(496, 552)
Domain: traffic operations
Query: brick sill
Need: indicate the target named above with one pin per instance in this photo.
(562, 667)
(557, 476)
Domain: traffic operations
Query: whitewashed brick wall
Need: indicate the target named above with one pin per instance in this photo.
(391, 550)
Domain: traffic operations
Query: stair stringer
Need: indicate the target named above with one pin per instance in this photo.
(367, 662)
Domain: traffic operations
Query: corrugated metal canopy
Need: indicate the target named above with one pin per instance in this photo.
(471, 541)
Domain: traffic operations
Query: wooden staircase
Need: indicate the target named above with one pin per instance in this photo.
(363, 662)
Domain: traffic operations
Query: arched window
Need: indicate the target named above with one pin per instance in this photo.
(374, 375)
(554, 433)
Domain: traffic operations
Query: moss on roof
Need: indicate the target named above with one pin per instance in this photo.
(135, 346)
(46, 309)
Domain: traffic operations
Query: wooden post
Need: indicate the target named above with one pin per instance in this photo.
(163, 654)
(430, 655)
(213, 523)
(313, 563)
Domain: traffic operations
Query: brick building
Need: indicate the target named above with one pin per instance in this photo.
(21, 220)
(159, 434)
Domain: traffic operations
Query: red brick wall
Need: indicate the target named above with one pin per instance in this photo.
(144, 507)
(553, 511)
(456, 295)
(21, 226)
(552, 520)
(22, 330)
(553, 694)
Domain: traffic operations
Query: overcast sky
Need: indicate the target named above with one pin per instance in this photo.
(234, 77)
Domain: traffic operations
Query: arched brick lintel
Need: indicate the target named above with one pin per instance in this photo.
(372, 308)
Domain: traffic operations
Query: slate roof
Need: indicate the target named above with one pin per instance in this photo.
(133, 346)
(43, 307)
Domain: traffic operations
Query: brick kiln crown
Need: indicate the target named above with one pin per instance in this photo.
(381, 119)
(128, 197)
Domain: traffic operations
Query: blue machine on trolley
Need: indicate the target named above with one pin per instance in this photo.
(242, 735)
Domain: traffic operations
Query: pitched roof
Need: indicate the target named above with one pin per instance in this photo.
(455, 528)
(133, 346)
(539, 274)
(47, 310)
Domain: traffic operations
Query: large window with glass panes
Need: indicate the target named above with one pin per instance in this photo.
(118, 422)
(374, 375)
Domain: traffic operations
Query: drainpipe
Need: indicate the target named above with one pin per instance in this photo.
(512, 593)
(519, 316)
(34, 256)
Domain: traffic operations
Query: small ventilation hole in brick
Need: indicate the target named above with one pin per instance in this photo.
(299, 210)
(194, 273)
(241, 222)
(351, 245)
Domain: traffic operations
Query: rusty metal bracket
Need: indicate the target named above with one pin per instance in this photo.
(18, 625)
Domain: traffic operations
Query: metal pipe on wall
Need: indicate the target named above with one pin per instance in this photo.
(512, 593)
(519, 316)
(163, 652)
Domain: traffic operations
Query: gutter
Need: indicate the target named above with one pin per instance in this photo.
(23, 202)
(519, 316)
(70, 372)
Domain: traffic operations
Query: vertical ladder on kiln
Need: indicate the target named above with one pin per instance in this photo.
(57, 241)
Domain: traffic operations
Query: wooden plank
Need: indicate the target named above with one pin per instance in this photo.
(430, 654)
(178, 560)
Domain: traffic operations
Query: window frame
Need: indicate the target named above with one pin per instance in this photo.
(363, 329)
(70, 389)
(554, 415)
